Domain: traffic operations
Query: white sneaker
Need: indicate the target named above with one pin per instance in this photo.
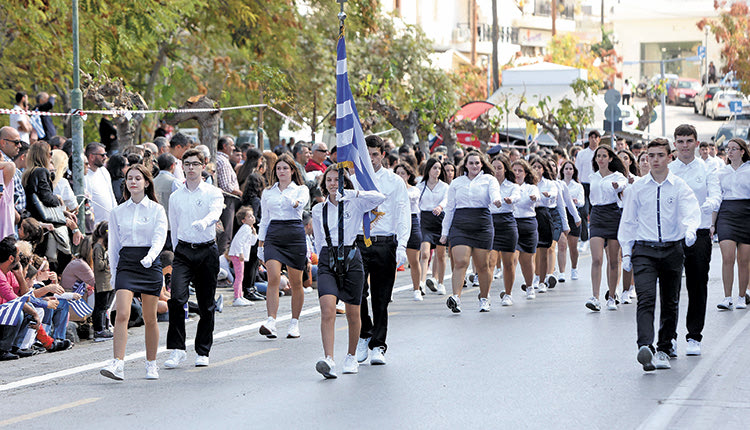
(574, 274)
(530, 295)
(241, 301)
(431, 283)
(293, 332)
(219, 304)
(363, 349)
(740, 303)
(541, 287)
(341, 308)
(560, 277)
(593, 304)
(551, 281)
(484, 305)
(454, 304)
(726, 304)
(201, 361)
(377, 357)
(646, 358)
(326, 367)
(417, 296)
(693, 347)
(497, 274)
(269, 328)
(611, 305)
(441, 289)
(152, 370)
(507, 300)
(661, 360)
(350, 365)
(307, 290)
(114, 370)
(175, 359)
(535, 283)
(625, 297)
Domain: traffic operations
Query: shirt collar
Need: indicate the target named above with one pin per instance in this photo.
(670, 178)
(144, 202)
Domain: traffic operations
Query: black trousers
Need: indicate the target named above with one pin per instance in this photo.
(697, 264)
(586, 210)
(224, 238)
(201, 267)
(102, 300)
(251, 272)
(379, 261)
(665, 266)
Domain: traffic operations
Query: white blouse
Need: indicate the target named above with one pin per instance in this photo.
(507, 190)
(136, 224)
(353, 211)
(602, 191)
(63, 190)
(414, 193)
(277, 205)
(551, 187)
(432, 198)
(577, 193)
(524, 208)
(463, 192)
(242, 242)
(735, 184)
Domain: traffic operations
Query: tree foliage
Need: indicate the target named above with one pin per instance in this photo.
(732, 30)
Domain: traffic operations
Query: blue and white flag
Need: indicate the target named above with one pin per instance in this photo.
(10, 311)
(350, 139)
(81, 307)
(79, 288)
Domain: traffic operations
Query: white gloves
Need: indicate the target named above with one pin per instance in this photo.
(261, 257)
(348, 195)
(690, 238)
(147, 261)
(626, 264)
(199, 225)
(400, 256)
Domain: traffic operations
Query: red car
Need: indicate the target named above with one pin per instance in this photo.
(683, 91)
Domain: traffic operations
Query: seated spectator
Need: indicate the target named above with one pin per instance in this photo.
(80, 269)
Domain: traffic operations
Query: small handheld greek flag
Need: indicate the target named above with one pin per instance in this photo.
(79, 288)
(81, 308)
(11, 311)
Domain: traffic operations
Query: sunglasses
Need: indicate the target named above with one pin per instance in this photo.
(15, 142)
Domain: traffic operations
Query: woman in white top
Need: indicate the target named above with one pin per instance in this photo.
(60, 185)
(468, 225)
(281, 240)
(137, 232)
(525, 214)
(643, 166)
(569, 175)
(347, 288)
(731, 222)
(506, 231)
(607, 182)
(567, 216)
(450, 172)
(433, 192)
(406, 172)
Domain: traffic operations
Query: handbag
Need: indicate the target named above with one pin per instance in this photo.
(54, 215)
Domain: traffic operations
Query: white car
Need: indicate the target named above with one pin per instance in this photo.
(718, 106)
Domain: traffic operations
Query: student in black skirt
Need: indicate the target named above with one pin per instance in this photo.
(607, 182)
(569, 241)
(281, 239)
(525, 214)
(330, 286)
(406, 172)
(506, 231)
(468, 225)
(137, 232)
(731, 222)
(433, 192)
(547, 224)
(562, 225)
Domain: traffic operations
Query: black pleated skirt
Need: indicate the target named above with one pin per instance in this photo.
(731, 221)
(557, 225)
(431, 226)
(544, 227)
(605, 221)
(132, 276)
(528, 234)
(575, 230)
(354, 279)
(472, 227)
(415, 238)
(506, 232)
(285, 243)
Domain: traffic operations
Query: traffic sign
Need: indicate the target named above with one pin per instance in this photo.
(701, 51)
(612, 97)
(735, 106)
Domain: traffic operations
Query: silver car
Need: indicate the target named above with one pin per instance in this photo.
(718, 106)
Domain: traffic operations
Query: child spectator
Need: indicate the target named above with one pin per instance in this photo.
(79, 269)
(239, 251)
(103, 292)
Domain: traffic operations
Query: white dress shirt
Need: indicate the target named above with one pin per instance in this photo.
(353, 211)
(432, 198)
(714, 163)
(413, 193)
(735, 184)
(577, 193)
(656, 212)
(463, 192)
(703, 181)
(136, 224)
(567, 201)
(178, 172)
(204, 204)
(396, 218)
(583, 164)
(602, 191)
(524, 208)
(507, 190)
(277, 205)
(64, 190)
(99, 187)
(242, 242)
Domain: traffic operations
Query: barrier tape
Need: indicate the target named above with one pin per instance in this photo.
(123, 112)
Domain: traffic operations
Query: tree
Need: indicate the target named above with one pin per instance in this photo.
(732, 29)
(599, 60)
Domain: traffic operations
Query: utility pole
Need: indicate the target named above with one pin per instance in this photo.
(473, 32)
(554, 17)
(706, 28)
(602, 18)
(76, 98)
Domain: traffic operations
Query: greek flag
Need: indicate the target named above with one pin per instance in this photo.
(79, 288)
(350, 139)
(10, 311)
(81, 307)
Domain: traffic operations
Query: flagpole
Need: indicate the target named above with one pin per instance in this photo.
(340, 263)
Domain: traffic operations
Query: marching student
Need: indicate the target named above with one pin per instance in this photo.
(506, 230)
(137, 232)
(569, 242)
(660, 217)
(332, 284)
(281, 240)
(561, 217)
(468, 225)
(731, 222)
(703, 181)
(194, 210)
(432, 200)
(525, 214)
(406, 172)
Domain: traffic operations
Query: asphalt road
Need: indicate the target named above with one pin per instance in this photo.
(547, 363)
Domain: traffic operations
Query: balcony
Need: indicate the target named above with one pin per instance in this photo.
(462, 33)
(544, 8)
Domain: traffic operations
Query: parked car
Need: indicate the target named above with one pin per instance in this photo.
(731, 129)
(704, 95)
(683, 91)
(669, 78)
(718, 106)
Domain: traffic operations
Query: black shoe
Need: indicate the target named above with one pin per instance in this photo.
(551, 282)
(23, 353)
(6, 355)
(617, 298)
(253, 296)
(60, 345)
